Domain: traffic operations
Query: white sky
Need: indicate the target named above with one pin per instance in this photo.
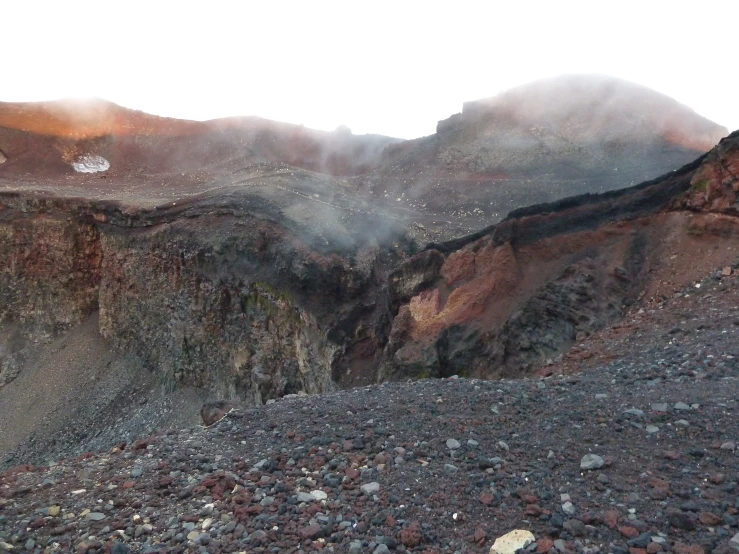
(388, 67)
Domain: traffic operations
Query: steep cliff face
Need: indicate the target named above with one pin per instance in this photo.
(248, 304)
(49, 277)
(232, 304)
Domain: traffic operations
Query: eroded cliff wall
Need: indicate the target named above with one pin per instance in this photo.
(237, 305)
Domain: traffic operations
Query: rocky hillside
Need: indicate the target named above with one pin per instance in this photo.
(540, 142)
(252, 282)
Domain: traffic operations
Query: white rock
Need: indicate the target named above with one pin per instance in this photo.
(91, 163)
(510, 542)
(728, 446)
(318, 494)
(568, 508)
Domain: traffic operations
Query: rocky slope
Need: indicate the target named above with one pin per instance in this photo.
(636, 454)
(540, 142)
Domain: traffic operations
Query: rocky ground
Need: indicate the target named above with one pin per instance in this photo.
(635, 453)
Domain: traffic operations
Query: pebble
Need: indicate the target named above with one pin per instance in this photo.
(319, 494)
(681, 406)
(370, 488)
(659, 407)
(95, 516)
(568, 508)
(728, 446)
(308, 497)
(651, 429)
(453, 444)
(591, 461)
(682, 423)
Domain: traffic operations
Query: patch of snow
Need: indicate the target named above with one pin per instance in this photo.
(90, 163)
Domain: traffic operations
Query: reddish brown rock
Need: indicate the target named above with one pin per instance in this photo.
(611, 518)
(628, 532)
(487, 498)
(710, 519)
(410, 536)
(681, 548)
(544, 545)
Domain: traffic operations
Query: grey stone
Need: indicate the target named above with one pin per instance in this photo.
(449, 468)
(728, 446)
(651, 429)
(370, 488)
(591, 461)
(452, 444)
(559, 544)
(355, 547)
(308, 497)
(659, 407)
(681, 406)
(568, 508)
(95, 516)
(635, 412)
(682, 423)
(381, 549)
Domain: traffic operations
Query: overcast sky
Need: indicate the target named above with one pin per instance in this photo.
(393, 68)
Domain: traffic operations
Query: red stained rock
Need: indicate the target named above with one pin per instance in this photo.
(410, 537)
(681, 548)
(710, 519)
(487, 498)
(611, 518)
(544, 545)
(628, 532)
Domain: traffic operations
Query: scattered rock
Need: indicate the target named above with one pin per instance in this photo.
(511, 542)
(370, 488)
(591, 461)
